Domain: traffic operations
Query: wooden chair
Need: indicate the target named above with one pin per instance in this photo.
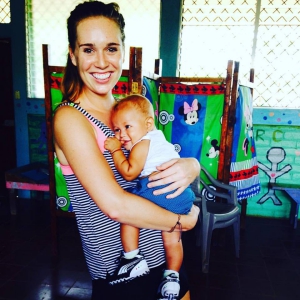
(30, 177)
(52, 78)
(229, 85)
(130, 82)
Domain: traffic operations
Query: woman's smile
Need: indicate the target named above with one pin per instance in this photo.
(101, 76)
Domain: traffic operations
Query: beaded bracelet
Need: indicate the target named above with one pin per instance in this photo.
(180, 227)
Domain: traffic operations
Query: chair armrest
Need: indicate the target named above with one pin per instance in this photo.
(196, 187)
(216, 182)
(230, 193)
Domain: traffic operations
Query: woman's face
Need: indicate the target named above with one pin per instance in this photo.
(99, 54)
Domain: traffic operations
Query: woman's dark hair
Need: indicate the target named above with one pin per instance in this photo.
(72, 83)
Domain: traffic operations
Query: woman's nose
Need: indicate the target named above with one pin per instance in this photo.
(101, 60)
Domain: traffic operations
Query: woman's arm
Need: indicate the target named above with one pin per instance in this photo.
(76, 145)
(178, 173)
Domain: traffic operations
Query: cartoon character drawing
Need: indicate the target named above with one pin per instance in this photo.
(214, 151)
(275, 156)
(164, 117)
(190, 113)
(248, 130)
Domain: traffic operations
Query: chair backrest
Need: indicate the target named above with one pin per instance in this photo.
(131, 79)
(243, 164)
(130, 82)
(206, 118)
(193, 113)
(52, 80)
(212, 189)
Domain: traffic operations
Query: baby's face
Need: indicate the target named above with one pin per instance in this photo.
(129, 126)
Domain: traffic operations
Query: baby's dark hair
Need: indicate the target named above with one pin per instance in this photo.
(72, 83)
(137, 102)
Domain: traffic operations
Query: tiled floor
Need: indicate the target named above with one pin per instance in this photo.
(268, 267)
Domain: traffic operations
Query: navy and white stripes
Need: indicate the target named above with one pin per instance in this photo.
(100, 235)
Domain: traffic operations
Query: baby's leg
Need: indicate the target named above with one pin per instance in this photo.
(174, 250)
(170, 285)
(132, 263)
(129, 237)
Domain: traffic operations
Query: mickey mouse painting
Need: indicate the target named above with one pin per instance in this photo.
(214, 151)
(190, 113)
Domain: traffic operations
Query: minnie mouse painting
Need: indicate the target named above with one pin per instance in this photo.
(190, 113)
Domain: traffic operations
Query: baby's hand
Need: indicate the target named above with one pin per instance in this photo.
(112, 143)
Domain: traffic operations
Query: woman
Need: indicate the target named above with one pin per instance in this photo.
(81, 124)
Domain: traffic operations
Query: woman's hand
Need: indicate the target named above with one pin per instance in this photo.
(177, 173)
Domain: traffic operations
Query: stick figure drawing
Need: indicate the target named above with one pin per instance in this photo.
(275, 156)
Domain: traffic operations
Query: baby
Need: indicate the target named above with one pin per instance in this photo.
(133, 124)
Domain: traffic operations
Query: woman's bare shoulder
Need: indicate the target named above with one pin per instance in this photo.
(65, 109)
(66, 114)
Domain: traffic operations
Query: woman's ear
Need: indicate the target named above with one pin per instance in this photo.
(72, 57)
(150, 124)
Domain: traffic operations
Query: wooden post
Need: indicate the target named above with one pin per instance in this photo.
(231, 123)
(222, 156)
(135, 71)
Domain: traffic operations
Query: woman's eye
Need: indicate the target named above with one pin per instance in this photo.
(117, 130)
(112, 49)
(87, 50)
(127, 126)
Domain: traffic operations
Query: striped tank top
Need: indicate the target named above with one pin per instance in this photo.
(100, 236)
